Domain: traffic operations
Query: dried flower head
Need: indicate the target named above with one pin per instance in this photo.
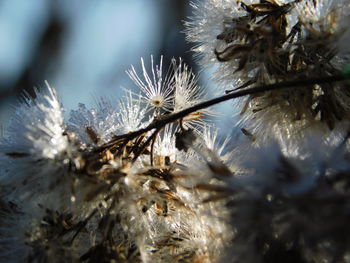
(106, 186)
(35, 140)
(157, 89)
(261, 42)
(131, 114)
(145, 180)
(46, 139)
(187, 93)
(94, 125)
(177, 91)
(282, 207)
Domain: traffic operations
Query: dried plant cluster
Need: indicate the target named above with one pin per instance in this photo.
(147, 179)
(261, 42)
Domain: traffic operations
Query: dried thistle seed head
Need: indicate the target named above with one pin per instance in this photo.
(105, 202)
(242, 35)
(253, 42)
(186, 90)
(278, 201)
(315, 51)
(157, 89)
(262, 42)
(172, 93)
(36, 144)
(46, 139)
(168, 230)
(256, 39)
(131, 114)
(94, 126)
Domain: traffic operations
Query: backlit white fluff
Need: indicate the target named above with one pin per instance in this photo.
(37, 127)
(156, 88)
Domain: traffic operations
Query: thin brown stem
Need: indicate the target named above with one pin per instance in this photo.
(148, 141)
(161, 122)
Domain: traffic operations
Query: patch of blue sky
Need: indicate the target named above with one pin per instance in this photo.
(21, 22)
(104, 39)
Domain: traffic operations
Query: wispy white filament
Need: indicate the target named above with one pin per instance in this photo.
(156, 89)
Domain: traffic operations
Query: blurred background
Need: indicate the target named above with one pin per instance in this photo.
(82, 48)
